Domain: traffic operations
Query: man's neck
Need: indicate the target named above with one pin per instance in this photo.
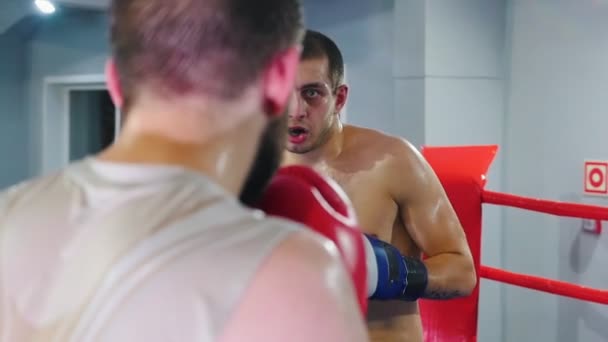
(224, 156)
(328, 151)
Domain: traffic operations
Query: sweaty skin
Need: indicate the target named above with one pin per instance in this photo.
(396, 195)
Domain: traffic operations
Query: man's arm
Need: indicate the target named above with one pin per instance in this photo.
(432, 223)
(302, 293)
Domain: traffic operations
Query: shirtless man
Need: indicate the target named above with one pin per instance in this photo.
(147, 241)
(396, 195)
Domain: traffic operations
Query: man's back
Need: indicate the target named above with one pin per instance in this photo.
(120, 252)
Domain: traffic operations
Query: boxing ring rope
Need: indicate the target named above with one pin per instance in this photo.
(462, 172)
(546, 285)
(552, 208)
(583, 211)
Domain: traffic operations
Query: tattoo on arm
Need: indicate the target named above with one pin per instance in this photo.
(439, 294)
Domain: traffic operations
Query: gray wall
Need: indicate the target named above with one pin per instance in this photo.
(72, 43)
(364, 32)
(69, 43)
(556, 118)
(14, 164)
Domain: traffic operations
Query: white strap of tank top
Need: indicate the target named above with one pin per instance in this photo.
(143, 260)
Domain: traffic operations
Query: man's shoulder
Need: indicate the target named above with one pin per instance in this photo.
(298, 231)
(380, 140)
(25, 189)
(304, 272)
(400, 151)
(302, 239)
(305, 253)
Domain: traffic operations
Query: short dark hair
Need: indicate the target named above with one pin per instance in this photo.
(317, 45)
(213, 46)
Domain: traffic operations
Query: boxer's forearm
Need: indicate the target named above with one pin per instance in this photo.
(394, 276)
(449, 276)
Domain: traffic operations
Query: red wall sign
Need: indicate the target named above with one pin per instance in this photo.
(596, 182)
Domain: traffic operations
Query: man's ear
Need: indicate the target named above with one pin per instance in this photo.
(341, 97)
(279, 81)
(113, 83)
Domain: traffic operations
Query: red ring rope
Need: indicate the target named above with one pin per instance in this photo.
(538, 283)
(548, 207)
(546, 285)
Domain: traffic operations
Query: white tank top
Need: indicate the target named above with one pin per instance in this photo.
(116, 252)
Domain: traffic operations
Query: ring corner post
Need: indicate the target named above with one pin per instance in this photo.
(462, 171)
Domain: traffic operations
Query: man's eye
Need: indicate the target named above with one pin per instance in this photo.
(311, 93)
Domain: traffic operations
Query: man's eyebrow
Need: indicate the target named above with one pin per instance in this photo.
(314, 85)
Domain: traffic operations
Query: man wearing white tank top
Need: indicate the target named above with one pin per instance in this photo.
(148, 240)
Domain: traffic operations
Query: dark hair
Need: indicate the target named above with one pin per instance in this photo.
(317, 45)
(216, 47)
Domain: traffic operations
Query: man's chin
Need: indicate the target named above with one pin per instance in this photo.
(296, 148)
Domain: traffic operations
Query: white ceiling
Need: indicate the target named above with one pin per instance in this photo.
(11, 11)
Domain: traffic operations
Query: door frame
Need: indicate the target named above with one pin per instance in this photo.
(55, 142)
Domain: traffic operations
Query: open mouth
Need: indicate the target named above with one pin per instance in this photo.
(297, 134)
(297, 131)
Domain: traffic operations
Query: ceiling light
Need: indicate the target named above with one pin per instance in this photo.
(45, 6)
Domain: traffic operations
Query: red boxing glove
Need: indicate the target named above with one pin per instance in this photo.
(301, 194)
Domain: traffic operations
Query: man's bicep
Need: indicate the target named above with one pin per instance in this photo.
(427, 212)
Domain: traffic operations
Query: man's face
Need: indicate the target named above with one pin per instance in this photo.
(318, 107)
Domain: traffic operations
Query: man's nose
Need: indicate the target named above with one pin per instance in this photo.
(300, 108)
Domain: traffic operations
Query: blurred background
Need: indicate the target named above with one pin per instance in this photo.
(528, 75)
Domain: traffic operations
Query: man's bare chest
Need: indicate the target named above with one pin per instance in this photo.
(375, 209)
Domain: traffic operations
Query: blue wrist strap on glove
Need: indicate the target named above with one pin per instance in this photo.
(399, 277)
